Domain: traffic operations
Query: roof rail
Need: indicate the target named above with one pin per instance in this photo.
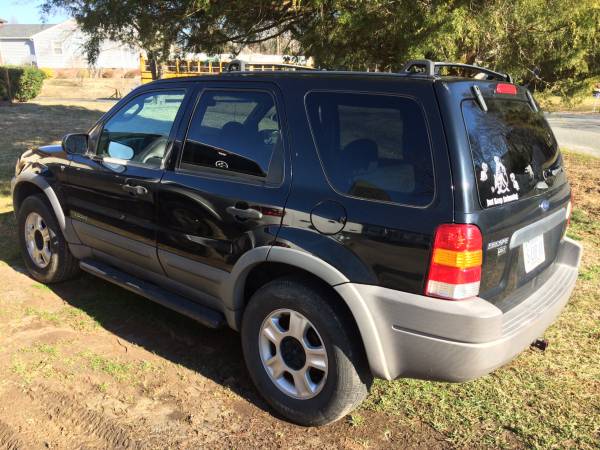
(431, 69)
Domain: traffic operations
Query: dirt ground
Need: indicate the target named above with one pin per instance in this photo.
(86, 365)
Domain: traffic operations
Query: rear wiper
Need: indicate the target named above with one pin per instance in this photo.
(479, 98)
(532, 101)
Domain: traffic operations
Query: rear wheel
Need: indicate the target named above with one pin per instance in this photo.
(45, 252)
(304, 357)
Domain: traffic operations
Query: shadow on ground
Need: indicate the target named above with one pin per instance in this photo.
(215, 354)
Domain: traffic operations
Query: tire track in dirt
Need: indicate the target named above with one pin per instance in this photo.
(67, 409)
(9, 440)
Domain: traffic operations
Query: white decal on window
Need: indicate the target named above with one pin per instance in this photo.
(514, 181)
(529, 171)
(483, 176)
(500, 177)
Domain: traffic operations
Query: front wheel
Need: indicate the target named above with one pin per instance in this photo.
(45, 252)
(304, 357)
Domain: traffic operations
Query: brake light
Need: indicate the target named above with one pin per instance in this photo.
(455, 268)
(505, 88)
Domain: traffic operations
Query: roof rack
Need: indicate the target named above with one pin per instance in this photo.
(431, 68)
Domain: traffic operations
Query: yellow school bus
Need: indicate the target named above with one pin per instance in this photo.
(186, 68)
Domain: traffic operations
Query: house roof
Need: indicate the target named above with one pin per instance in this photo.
(13, 30)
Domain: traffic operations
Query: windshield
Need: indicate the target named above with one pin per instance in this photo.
(515, 154)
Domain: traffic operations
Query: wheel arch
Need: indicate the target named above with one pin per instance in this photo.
(27, 184)
(263, 264)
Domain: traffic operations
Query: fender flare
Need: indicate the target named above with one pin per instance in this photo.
(41, 183)
(233, 295)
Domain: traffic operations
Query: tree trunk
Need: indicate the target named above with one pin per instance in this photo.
(155, 66)
(8, 86)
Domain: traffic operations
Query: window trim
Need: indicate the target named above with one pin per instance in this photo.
(383, 94)
(239, 177)
(93, 153)
(57, 45)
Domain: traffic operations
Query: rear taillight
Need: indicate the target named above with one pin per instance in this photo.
(505, 88)
(455, 268)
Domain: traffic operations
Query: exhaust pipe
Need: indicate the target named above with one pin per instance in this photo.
(540, 344)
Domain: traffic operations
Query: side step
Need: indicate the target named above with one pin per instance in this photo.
(206, 316)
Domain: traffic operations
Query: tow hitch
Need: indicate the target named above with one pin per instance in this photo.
(540, 344)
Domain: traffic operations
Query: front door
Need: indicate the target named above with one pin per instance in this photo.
(111, 191)
(227, 192)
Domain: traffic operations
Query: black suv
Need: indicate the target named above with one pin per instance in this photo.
(349, 225)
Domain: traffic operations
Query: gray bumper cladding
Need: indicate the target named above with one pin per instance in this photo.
(420, 337)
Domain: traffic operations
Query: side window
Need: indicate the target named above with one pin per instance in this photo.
(373, 146)
(233, 131)
(139, 131)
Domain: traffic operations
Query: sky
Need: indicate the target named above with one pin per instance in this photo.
(26, 11)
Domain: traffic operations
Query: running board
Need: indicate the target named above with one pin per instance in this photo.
(206, 316)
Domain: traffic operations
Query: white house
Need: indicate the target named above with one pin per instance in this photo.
(59, 46)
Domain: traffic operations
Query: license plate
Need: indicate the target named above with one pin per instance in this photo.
(533, 253)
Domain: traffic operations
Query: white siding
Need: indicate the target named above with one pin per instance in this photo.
(17, 51)
(118, 56)
(61, 47)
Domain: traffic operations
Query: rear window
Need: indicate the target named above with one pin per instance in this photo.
(515, 154)
(374, 147)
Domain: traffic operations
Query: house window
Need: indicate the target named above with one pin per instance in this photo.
(57, 47)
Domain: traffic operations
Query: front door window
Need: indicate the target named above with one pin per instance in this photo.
(139, 132)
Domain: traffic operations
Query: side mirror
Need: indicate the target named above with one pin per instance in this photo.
(75, 144)
(120, 151)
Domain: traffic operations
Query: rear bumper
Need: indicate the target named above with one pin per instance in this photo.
(421, 337)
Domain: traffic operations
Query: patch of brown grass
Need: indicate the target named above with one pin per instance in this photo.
(88, 88)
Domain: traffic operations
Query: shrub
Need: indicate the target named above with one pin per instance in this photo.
(132, 73)
(108, 73)
(82, 73)
(66, 73)
(25, 82)
(48, 73)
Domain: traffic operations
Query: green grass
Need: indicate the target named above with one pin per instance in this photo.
(66, 316)
(540, 400)
(116, 369)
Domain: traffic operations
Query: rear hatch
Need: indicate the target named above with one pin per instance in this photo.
(519, 192)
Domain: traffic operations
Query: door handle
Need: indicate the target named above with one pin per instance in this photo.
(135, 190)
(248, 213)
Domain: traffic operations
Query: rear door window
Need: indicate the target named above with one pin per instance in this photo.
(373, 146)
(233, 132)
(515, 154)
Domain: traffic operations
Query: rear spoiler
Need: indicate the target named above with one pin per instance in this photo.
(431, 68)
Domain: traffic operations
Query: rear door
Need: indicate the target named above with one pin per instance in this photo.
(111, 191)
(519, 194)
(227, 190)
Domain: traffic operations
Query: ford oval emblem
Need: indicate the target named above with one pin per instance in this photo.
(545, 205)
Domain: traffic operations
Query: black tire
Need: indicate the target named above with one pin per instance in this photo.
(62, 265)
(348, 377)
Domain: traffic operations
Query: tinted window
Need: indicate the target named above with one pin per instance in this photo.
(233, 132)
(140, 130)
(373, 146)
(513, 150)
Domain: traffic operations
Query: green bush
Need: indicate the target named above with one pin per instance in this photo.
(25, 82)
